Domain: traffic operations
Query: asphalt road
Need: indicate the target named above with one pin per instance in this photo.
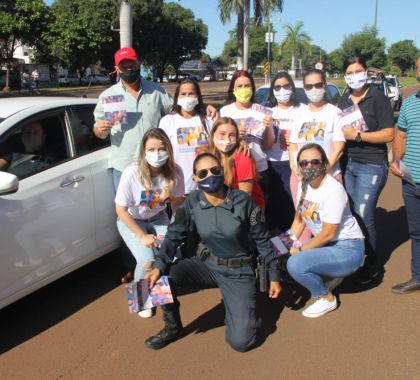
(79, 327)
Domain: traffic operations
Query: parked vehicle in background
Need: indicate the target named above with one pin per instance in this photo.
(57, 216)
(380, 83)
(396, 89)
(333, 93)
(208, 78)
(68, 80)
(101, 79)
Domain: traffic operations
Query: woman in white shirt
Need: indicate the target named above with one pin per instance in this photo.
(187, 127)
(337, 248)
(318, 123)
(238, 106)
(285, 107)
(145, 188)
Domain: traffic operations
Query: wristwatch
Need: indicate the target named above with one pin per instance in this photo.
(358, 137)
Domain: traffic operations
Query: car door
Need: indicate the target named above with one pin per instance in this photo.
(47, 226)
(93, 153)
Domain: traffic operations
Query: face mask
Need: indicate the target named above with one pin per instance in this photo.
(315, 95)
(211, 184)
(224, 145)
(283, 95)
(356, 81)
(157, 159)
(130, 76)
(310, 174)
(243, 95)
(187, 103)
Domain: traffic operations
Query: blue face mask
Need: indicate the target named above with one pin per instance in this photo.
(211, 184)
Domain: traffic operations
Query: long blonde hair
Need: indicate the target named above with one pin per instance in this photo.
(168, 170)
(229, 161)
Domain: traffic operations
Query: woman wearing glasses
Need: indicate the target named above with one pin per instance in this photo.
(239, 169)
(285, 107)
(319, 123)
(224, 218)
(337, 248)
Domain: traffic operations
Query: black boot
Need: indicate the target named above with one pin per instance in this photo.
(172, 331)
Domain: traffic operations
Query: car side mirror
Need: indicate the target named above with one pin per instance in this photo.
(9, 183)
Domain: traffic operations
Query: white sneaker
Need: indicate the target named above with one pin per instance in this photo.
(147, 313)
(319, 308)
(333, 283)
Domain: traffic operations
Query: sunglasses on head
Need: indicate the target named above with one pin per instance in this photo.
(315, 163)
(278, 87)
(310, 86)
(203, 173)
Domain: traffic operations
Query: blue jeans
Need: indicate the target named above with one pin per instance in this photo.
(144, 256)
(411, 195)
(364, 184)
(127, 258)
(337, 259)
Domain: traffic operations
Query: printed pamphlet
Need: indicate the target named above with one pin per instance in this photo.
(140, 297)
(352, 117)
(114, 109)
(257, 128)
(405, 170)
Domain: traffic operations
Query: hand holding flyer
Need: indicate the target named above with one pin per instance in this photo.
(352, 117)
(114, 109)
(284, 242)
(257, 128)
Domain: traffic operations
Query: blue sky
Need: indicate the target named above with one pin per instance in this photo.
(326, 21)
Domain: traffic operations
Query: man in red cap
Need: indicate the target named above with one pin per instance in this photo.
(125, 111)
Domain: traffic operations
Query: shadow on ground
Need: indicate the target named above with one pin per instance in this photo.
(52, 304)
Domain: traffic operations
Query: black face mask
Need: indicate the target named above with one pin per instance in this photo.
(130, 76)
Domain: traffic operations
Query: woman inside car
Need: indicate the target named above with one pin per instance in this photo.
(337, 248)
(145, 188)
(366, 164)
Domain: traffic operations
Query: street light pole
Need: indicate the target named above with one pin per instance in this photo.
(375, 23)
(268, 50)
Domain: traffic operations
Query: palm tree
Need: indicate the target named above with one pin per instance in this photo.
(296, 39)
(262, 9)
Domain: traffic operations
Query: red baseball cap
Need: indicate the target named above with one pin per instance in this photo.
(125, 53)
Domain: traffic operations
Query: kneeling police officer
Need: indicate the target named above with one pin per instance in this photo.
(224, 219)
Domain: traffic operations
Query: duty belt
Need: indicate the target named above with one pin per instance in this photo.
(232, 262)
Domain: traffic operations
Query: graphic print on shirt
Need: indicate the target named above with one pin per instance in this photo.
(114, 109)
(313, 131)
(310, 212)
(189, 138)
(150, 199)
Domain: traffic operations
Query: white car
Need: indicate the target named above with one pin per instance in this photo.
(58, 216)
(396, 89)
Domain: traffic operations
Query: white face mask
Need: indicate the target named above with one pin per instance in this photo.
(224, 145)
(356, 81)
(157, 159)
(283, 95)
(187, 103)
(315, 95)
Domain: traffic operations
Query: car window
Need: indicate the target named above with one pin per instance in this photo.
(82, 122)
(333, 94)
(261, 96)
(34, 145)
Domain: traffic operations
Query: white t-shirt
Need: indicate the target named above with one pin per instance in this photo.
(329, 203)
(146, 203)
(247, 117)
(283, 125)
(320, 127)
(186, 136)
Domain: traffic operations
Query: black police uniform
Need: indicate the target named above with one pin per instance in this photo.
(226, 231)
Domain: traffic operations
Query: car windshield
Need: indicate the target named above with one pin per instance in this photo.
(379, 85)
(1, 119)
(392, 81)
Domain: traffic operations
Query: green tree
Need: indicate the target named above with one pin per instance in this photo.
(262, 8)
(297, 41)
(257, 45)
(177, 38)
(403, 54)
(335, 61)
(21, 22)
(368, 44)
(81, 32)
